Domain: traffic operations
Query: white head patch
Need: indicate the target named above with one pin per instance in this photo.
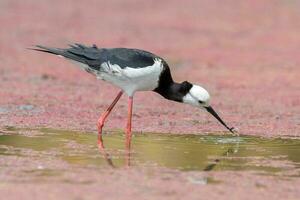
(197, 96)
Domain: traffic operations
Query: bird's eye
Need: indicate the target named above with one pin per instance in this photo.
(201, 102)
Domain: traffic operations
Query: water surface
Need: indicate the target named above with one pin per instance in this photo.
(182, 152)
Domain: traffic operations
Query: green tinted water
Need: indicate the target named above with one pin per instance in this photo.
(183, 152)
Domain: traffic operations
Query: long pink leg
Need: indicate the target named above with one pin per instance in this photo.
(128, 130)
(103, 117)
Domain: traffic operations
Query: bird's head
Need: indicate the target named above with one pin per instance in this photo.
(199, 97)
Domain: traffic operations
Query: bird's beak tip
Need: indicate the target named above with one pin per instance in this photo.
(234, 131)
(211, 111)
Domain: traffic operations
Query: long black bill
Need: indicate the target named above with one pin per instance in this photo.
(213, 112)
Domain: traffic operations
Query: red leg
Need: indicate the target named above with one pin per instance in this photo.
(128, 130)
(103, 117)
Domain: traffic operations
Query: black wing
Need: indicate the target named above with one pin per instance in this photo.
(94, 56)
(133, 58)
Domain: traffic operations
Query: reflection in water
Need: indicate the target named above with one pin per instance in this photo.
(227, 153)
(182, 152)
(106, 155)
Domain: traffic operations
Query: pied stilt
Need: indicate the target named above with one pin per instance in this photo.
(133, 70)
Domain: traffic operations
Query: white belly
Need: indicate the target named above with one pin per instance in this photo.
(131, 80)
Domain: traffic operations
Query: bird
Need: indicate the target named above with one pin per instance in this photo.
(133, 70)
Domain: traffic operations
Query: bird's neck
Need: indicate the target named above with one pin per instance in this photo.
(170, 89)
(171, 92)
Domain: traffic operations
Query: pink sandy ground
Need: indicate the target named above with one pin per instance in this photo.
(246, 53)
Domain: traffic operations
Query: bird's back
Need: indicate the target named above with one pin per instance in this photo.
(133, 58)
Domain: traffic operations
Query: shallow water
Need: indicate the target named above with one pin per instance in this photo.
(182, 152)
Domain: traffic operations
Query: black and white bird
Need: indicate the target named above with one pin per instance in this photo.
(133, 70)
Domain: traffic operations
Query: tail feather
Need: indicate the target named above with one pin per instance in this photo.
(61, 52)
(89, 56)
(54, 51)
